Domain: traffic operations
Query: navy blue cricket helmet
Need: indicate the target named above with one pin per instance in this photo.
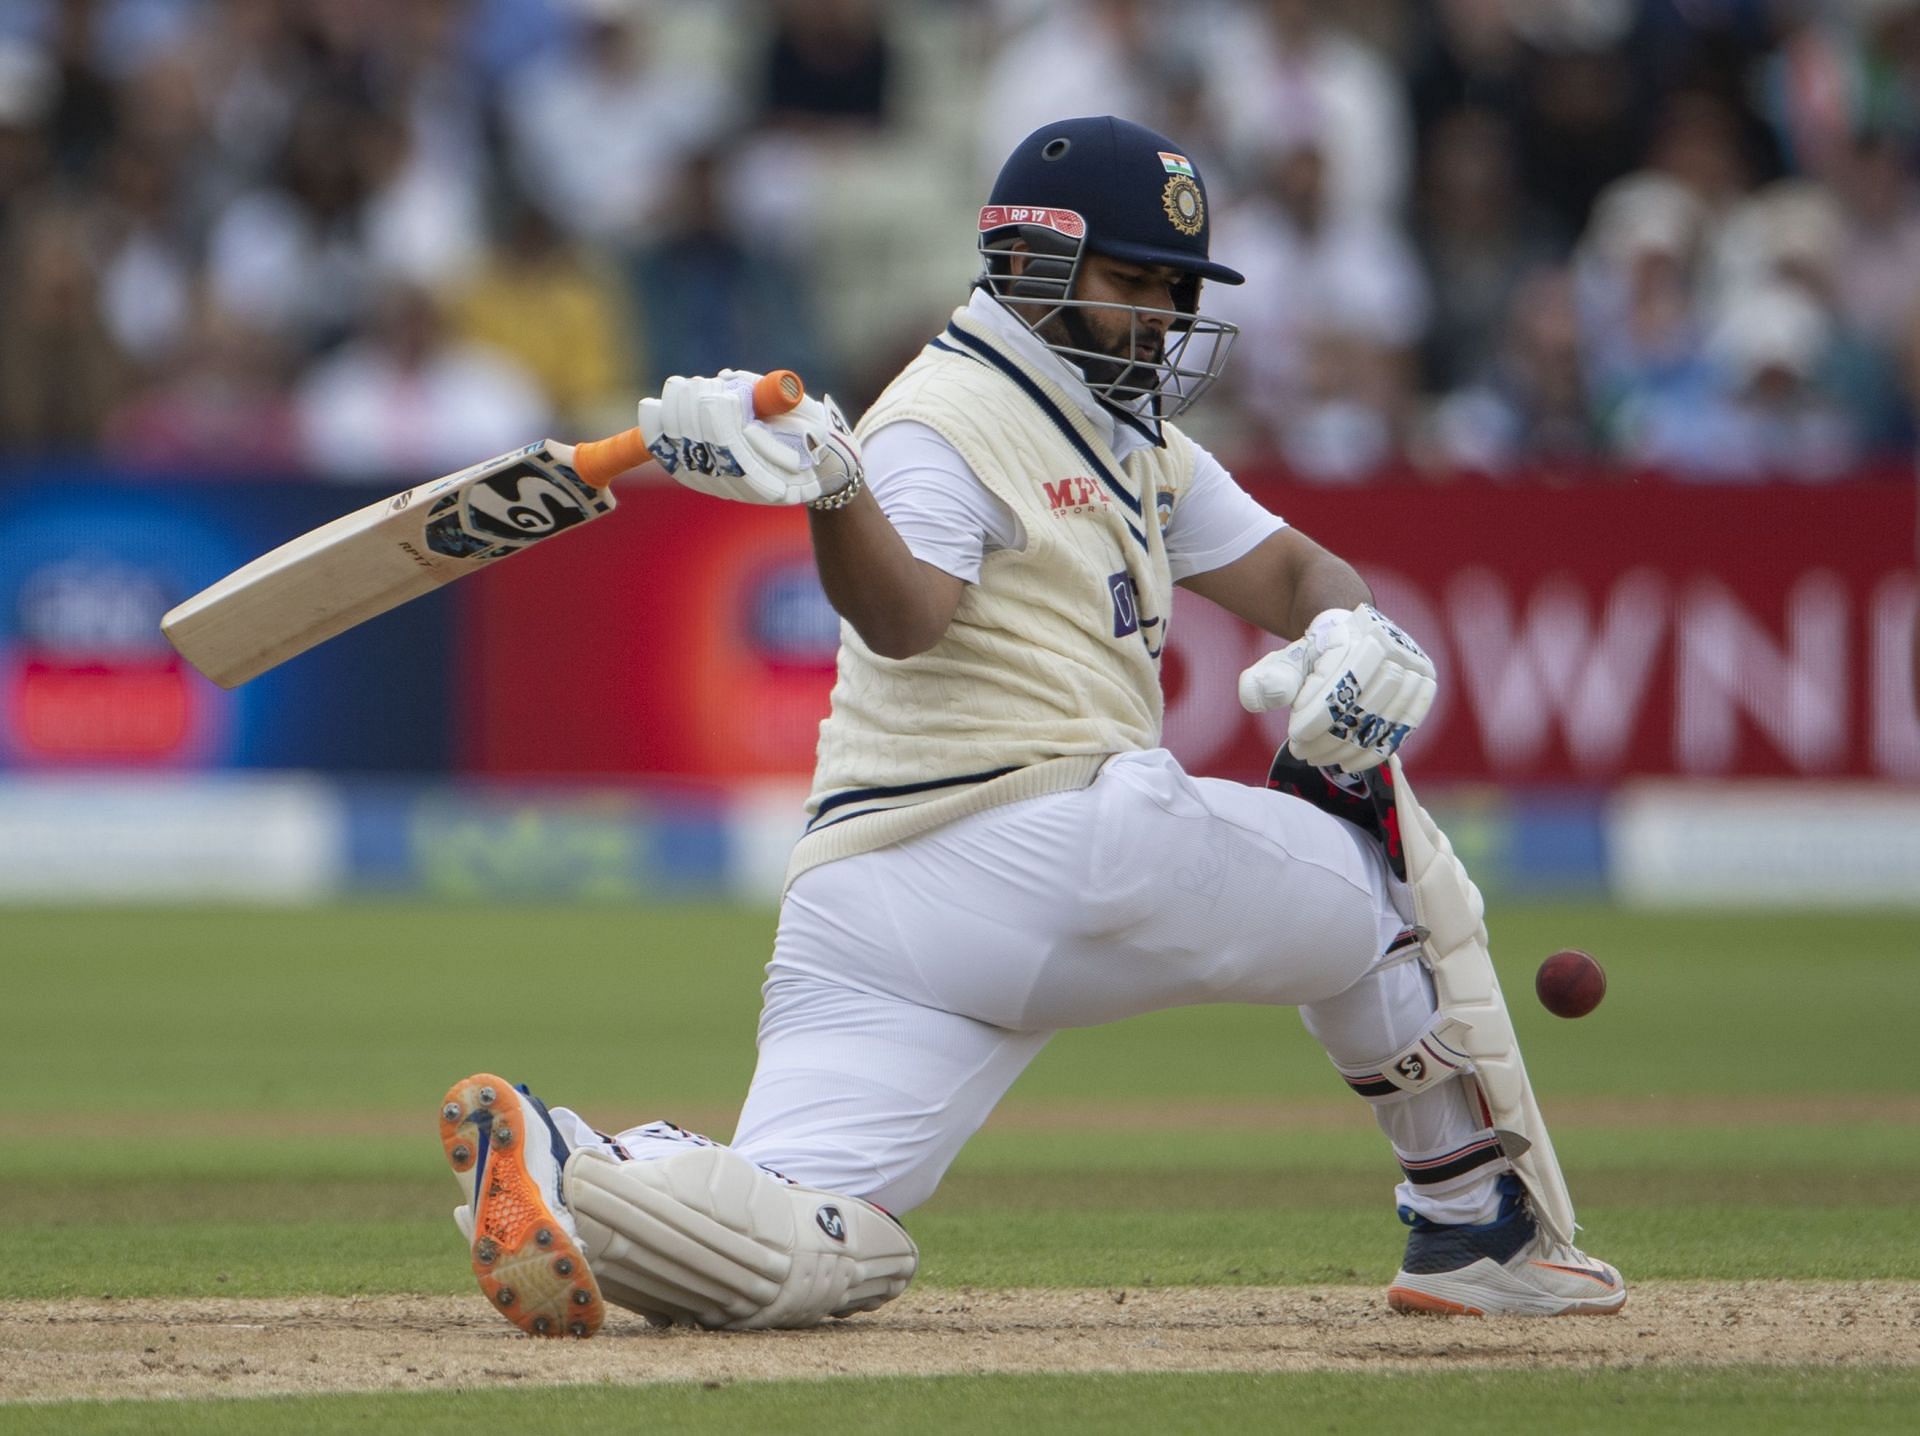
(1104, 185)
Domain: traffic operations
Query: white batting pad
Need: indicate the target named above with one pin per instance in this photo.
(1450, 907)
(705, 1238)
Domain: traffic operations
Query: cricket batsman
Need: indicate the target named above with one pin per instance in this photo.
(997, 844)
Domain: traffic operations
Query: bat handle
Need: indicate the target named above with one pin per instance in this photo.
(601, 461)
(776, 393)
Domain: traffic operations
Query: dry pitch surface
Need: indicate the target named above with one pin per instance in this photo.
(172, 1348)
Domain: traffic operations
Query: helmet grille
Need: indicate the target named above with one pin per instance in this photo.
(1041, 296)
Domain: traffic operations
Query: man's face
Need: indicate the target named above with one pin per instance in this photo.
(1104, 280)
(1112, 281)
(1131, 343)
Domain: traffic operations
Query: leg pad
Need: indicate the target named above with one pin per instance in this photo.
(1449, 906)
(1430, 1059)
(705, 1238)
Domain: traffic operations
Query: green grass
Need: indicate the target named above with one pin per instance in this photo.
(374, 1007)
(241, 1103)
(215, 1216)
(1033, 1232)
(1739, 1401)
(368, 1007)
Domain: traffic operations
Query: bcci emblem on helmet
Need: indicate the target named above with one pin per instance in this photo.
(1182, 202)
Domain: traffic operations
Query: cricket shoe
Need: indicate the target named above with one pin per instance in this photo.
(526, 1248)
(1505, 1267)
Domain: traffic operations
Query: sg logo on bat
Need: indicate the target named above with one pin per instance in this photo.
(523, 505)
(509, 510)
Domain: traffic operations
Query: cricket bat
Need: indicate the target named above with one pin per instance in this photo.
(377, 558)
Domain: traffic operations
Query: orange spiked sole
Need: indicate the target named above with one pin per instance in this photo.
(532, 1272)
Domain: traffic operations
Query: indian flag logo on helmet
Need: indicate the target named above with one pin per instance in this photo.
(1177, 164)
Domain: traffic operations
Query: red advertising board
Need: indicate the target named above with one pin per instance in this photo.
(1582, 634)
(680, 635)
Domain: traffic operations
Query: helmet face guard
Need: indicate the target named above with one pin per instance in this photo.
(1192, 350)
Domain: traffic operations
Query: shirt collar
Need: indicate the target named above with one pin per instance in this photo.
(1121, 439)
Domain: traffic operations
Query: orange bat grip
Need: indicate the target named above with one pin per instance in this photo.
(601, 461)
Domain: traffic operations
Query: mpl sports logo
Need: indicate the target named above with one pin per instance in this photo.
(1077, 495)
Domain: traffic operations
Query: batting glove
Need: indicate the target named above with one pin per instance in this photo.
(1357, 685)
(704, 433)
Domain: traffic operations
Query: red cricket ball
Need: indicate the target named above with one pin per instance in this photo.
(1570, 983)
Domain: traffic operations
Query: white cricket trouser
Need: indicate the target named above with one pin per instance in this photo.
(910, 986)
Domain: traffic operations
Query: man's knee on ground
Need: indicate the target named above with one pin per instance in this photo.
(705, 1238)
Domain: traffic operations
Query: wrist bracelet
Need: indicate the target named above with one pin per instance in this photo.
(840, 497)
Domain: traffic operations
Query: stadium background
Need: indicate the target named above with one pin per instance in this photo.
(1589, 329)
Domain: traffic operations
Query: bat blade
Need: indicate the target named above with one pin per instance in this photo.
(379, 557)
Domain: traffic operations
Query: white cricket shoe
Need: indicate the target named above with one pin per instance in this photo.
(1505, 1267)
(526, 1249)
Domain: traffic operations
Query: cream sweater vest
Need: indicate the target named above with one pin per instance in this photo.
(1052, 661)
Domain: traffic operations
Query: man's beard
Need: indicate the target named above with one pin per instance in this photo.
(1112, 371)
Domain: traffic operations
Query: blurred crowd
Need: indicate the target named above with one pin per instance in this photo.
(379, 238)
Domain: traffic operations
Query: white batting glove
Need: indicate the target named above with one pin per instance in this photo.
(704, 433)
(1357, 685)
